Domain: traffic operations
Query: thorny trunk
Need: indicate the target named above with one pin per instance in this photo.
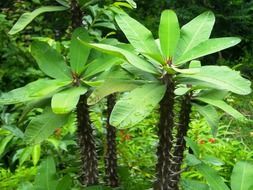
(169, 152)
(76, 14)
(183, 126)
(87, 144)
(165, 127)
(111, 150)
(89, 173)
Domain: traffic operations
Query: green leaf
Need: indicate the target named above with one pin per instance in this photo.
(26, 18)
(212, 178)
(195, 64)
(65, 183)
(214, 94)
(127, 55)
(169, 33)
(139, 36)
(50, 61)
(3, 143)
(25, 155)
(242, 175)
(188, 184)
(32, 91)
(40, 103)
(110, 87)
(93, 83)
(189, 71)
(224, 106)
(211, 116)
(195, 32)
(42, 126)
(44, 87)
(139, 73)
(212, 160)
(25, 185)
(191, 160)
(181, 91)
(15, 96)
(64, 3)
(193, 145)
(136, 105)
(36, 154)
(207, 47)
(219, 77)
(78, 52)
(14, 130)
(46, 176)
(65, 101)
(100, 65)
(132, 3)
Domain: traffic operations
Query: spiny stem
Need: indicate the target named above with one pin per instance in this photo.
(184, 120)
(165, 127)
(111, 149)
(87, 144)
(86, 140)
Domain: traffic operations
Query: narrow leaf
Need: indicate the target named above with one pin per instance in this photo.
(32, 91)
(65, 183)
(169, 33)
(110, 87)
(219, 77)
(100, 65)
(136, 105)
(224, 106)
(50, 61)
(207, 47)
(36, 154)
(65, 101)
(193, 145)
(25, 155)
(212, 160)
(127, 55)
(242, 175)
(188, 184)
(26, 18)
(191, 160)
(44, 87)
(15, 96)
(195, 32)
(3, 143)
(213, 179)
(211, 116)
(78, 52)
(46, 176)
(139, 36)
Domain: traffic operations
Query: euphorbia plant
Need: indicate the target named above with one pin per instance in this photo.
(65, 87)
(86, 142)
(164, 64)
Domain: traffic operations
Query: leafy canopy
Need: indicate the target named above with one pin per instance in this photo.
(170, 55)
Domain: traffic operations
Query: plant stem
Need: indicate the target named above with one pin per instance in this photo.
(184, 120)
(111, 149)
(76, 15)
(86, 140)
(165, 127)
(87, 144)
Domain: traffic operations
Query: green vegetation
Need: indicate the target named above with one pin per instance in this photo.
(92, 98)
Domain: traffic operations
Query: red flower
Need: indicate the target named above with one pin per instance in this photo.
(212, 140)
(201, 141)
